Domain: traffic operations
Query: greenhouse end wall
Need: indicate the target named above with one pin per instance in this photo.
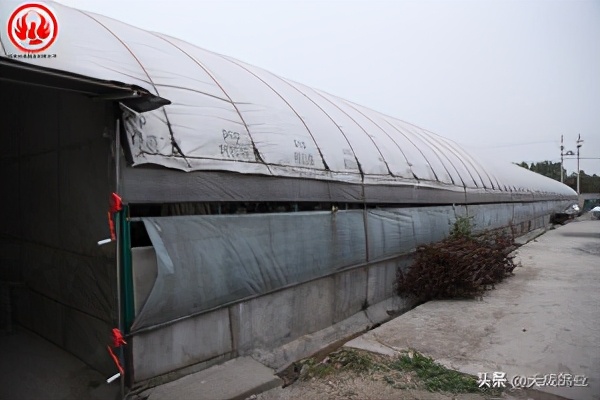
(56, 174)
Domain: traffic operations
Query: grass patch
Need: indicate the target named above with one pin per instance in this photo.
(341, 360)
(410, 370)
(433, 376)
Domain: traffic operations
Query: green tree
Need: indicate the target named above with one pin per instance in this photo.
(587, 183)
(548, 168)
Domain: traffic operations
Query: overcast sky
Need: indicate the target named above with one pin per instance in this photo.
(499, 77)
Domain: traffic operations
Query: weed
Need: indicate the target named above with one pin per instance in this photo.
(410, 370)
(435, 377)
(341, 360)
(462, 227)
(312, 369)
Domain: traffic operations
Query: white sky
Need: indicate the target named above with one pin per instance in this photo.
(499, 77)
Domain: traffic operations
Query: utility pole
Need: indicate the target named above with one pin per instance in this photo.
(562, 178)
(579, 144)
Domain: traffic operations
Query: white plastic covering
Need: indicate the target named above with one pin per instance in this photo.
(230, 116)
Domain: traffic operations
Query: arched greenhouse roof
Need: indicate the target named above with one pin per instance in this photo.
(227, 115)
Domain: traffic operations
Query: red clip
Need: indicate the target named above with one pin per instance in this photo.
(117, 337)
(116, 203)
(118, 341)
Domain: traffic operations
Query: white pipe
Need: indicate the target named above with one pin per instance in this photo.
(113, 378)
(105, 241)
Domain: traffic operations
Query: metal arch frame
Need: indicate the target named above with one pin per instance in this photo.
(205, 69)
(173, 142)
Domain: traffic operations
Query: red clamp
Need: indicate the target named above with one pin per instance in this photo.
(116, 205)
(118, 341)
(117, 338)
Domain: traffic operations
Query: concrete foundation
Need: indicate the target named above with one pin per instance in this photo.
(265, 323)
(188, 342)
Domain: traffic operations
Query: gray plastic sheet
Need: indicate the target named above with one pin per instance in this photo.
(394, 231)
(482, 219)
(207, 261)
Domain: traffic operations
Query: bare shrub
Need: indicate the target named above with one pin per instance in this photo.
(461, 266)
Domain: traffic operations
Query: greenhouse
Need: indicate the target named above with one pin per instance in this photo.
(239, 202)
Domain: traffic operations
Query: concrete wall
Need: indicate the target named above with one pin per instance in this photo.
(56, 176)
(264, 322)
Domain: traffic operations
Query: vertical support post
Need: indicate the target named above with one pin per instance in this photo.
(562, 178)
(579, 144)
(578, 190)
(367, 250)
(119, 246)
(366, 228)
(118, 156)
(119, 298)
(126, 269)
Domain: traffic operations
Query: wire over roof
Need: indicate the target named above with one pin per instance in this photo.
(227, 115)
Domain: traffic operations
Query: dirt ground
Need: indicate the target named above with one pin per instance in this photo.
(349, 386)
(371, 385)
